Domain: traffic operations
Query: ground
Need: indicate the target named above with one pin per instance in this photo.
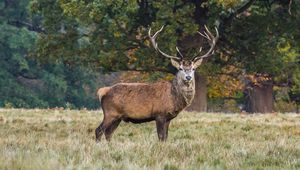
(64, 139)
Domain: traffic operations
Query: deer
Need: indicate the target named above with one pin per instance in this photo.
(160, 102)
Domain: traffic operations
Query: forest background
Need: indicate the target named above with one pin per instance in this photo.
(56, 53)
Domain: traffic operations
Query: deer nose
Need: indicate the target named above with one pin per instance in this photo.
(188, 77)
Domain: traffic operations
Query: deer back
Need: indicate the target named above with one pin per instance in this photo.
(140, 100)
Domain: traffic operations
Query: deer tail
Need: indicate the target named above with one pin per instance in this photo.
(102, 92)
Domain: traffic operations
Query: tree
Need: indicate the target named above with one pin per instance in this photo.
(265, 44)
(14, 44)
(113, 34)
(25, 83)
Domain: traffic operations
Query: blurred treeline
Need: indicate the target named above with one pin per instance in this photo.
(54, 53)
(26, 83)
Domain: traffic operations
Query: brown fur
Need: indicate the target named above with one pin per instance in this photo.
(102, 91)
(141, 102)
(162, 101)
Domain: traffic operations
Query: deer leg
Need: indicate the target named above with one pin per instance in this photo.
(98, 132)
(111, 128)
(161, 128)
(107, 121)
(167, 123)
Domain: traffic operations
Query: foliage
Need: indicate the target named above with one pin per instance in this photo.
(113, 34)
(15, 42)
(25, 83)
(274, 46)
(263, 43)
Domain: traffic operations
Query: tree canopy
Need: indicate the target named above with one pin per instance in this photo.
(24, 82)
(259, 40)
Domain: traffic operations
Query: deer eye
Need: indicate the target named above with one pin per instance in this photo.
(180, 69)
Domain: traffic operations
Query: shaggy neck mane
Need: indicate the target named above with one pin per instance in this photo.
(184, 92)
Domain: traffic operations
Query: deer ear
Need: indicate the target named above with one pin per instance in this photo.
(175, 63)
(197, 63)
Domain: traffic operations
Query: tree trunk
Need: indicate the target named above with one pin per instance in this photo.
(199, 103)
(259, 98)
(187, 43)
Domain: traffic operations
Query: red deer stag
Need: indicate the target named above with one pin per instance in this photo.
(161, 101)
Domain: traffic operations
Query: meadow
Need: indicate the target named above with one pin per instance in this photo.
(64, 139)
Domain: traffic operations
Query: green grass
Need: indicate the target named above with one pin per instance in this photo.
(64, 139)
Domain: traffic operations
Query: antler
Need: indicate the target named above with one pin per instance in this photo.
(212, 42)
(155, 45)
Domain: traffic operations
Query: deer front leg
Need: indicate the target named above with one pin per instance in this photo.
(167, 123)
(162, 127)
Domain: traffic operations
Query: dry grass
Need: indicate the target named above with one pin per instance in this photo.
(53, 139)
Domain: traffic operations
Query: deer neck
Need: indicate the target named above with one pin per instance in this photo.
(184, 90)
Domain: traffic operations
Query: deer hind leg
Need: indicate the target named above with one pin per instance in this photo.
(99, 132)
(111, 128)
(107, 121)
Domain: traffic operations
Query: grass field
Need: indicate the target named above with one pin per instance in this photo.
(64, 139)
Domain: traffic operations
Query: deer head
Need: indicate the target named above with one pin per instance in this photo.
(186, 68)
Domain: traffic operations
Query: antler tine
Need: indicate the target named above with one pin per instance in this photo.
(207, 31)
(208, 35)
(211, 40)
(200, 49)
(217, 32)
(155, 45)
(179, 52)
(205, 36)
(155, 35)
